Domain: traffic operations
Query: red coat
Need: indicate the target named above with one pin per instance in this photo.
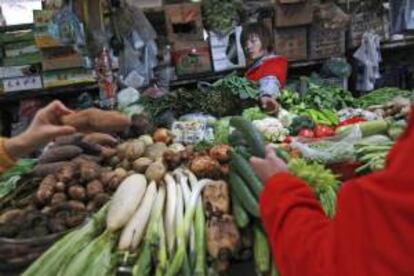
(371, 235)
(269, 66)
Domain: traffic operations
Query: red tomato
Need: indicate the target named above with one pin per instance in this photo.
(323, 131)
(306, 133)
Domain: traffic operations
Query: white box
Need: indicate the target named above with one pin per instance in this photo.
(219, 44)
(22, 83)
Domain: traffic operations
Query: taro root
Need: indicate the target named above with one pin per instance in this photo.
(93, 188)
(60, 187)
(46, 190)
(220, 153)
(67, 172)
(58, 198)
(77, 192)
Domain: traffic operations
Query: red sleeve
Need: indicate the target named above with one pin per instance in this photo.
(296, 225)
(371, 233)
(275, 66)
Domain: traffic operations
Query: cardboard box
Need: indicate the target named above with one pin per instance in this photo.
(191, 58)
(363, 22)
(290, 13)
(326, 43)
(21, 83)
(222, 60)
(67, 77)
(292, 43)
(65, 62)
(184, 22)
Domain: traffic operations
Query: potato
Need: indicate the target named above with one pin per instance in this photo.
(141, 165)
(156, 171)
(135, 149)
(155, 151)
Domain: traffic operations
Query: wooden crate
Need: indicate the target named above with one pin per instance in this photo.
(184, 22)
(326, 43)
(291, 43)
(363, 22)
(300, 12)
(192, 57)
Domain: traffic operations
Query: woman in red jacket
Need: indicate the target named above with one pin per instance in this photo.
(266, 68)
(371, 234)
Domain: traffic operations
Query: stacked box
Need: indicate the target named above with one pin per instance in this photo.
(326, 43)
(290, 13)
(365, 22)
(291, 43)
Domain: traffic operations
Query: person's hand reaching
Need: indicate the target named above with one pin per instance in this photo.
(269, 166)
(44, 128)
(269, 105)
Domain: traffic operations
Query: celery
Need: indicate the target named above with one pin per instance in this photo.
(61, 253)
(94, 259)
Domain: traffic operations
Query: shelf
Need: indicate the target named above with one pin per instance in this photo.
(400, 43)
(55, 91)
(13, 28)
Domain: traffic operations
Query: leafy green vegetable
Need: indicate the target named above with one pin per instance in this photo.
(9, 179)
(289, 99)
(299, 123)
(222, 131)
(330, 97)
(381, 96)
(253, 113)
(220, 15)
(320, 179)
(238, 86)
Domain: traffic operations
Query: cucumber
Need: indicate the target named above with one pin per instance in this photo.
(240, 215)
(252, 136)
(261, 251)
(242, 167)
(236, 139)
(243, 151)
(282, 154)
(241, 190)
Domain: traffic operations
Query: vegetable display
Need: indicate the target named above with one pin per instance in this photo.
(151, 202)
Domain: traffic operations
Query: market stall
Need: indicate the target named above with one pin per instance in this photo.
(157, 179)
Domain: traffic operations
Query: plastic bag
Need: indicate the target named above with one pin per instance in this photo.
(330, 150)
(127, 97)
(199, 117)
(191, 132)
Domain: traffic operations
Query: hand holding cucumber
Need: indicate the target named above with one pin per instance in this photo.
(269, 166)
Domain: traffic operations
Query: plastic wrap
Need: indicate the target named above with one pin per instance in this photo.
(330, 150)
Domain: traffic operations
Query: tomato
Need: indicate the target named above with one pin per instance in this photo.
(351, 121)
(288, 140)
(323, 131)
(306, 133)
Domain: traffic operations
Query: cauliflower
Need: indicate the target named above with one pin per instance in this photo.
(272, 129)
(285, 117)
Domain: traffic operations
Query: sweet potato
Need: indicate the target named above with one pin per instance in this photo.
(43, 170)
(90, 148)
(87, 157)
(102, 139)
(68, 140)
(56, 154)
(96, 120)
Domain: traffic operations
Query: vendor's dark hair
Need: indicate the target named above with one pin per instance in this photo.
(262, 32)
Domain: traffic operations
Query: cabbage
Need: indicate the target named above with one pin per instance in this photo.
(253, 113)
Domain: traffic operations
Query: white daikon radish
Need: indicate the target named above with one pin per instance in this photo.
(125, 201)
(133, 232)
(170, 212)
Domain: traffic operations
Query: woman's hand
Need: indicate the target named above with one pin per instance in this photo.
(44, 128)
(269, 166)
(269, 105)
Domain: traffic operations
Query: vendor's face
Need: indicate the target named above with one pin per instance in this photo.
(254, 47)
